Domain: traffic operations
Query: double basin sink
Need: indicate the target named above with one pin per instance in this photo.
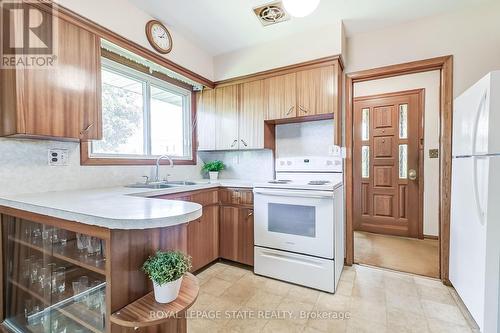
(161, 185)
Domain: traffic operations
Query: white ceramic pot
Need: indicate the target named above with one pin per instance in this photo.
(167, 292)
(214, 175)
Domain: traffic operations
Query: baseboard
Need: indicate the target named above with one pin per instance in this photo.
(431, 237)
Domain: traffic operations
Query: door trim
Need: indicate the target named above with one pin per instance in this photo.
(445, 66)
(421, 151)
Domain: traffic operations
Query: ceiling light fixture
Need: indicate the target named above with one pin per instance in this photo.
(300, 8)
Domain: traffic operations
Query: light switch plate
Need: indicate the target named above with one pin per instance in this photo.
(58, 157)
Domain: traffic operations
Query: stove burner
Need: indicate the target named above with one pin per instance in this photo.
(319, 182)
(284, 181)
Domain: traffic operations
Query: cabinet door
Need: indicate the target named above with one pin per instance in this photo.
(236, 234)
(280, 97)
(316, 91)
(205, 113)
(245, 236)
(226, 108)
(203, 238)
(64, 101)
(251, 121)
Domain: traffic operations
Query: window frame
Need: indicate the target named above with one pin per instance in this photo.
(130, 70)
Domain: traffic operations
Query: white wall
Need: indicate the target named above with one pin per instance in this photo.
(24, 169)
(307, 45)
(471, 35)
(123, 18)
(430, 81)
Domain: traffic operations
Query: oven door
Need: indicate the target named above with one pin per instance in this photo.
(298, 221)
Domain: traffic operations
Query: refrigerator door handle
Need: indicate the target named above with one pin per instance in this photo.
(480, 211)
(479, 112)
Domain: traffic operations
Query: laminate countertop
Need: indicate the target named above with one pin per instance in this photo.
(117, 207)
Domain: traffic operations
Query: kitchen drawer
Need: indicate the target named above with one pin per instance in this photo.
(236, 196)
(204, 198)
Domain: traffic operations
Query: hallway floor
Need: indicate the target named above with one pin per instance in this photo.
(417, 256)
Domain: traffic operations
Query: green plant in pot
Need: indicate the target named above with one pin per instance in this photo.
(213, 168)
(166, 270)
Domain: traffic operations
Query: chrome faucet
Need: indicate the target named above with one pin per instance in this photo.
(157, 174)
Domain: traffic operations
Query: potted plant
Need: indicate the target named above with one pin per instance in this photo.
(166, 270)
(213, 168)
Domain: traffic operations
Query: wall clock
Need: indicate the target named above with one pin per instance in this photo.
(158, 36)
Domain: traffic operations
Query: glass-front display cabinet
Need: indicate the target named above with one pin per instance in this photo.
(54, 279)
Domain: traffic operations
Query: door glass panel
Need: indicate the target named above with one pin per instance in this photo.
(365, 124)
(365, 161)
(403, 121)
(292, 219)
(403, 161)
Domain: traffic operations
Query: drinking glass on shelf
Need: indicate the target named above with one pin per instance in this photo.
(36, 234)
(93, 246)
(26, 269)
(63, 237)
(27, 232)
(55, 236)
(59, 280)
(81, 242)
(46, 236)
(35, 268)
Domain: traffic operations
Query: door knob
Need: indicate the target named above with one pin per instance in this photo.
(412, 174)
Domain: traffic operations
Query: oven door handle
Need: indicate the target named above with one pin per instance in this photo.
(302, 194)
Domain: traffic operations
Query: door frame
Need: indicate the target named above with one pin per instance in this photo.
(421, 151)
(445, 66)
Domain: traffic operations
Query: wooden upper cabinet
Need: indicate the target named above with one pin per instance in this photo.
(316, 91)
(280, 97)
(63, 101)
(205, 104)
(251, 121)
(226, 109)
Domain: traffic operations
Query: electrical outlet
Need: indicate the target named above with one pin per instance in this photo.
(58, 157)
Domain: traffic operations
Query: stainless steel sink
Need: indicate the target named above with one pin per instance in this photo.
(151, 186)
(157, 186)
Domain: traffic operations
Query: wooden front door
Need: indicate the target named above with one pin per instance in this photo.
(388, 148)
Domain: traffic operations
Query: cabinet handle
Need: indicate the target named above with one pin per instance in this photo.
(234, 143)
(289, 111)
(243, 141)
(250, 214)
(86, 129)
(303, 109)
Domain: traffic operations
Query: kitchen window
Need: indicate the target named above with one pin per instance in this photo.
(143, 117)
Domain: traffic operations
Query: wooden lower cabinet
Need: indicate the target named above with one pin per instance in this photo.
(203, 238)
(236, 234)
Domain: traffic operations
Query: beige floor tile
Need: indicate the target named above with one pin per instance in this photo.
(443, 312)
(298, 310)
(425, 281)
(215, 286)
(282, 326)
(348, 275)
(202, 302)
(276, 287)
(403, 285)
(435, 294)
(335, 302)
(245, 321)
(203, 326)
(365, 326)
(345, 287)
(232, 274)
(404, 321)
(303, 294)
(373, 312)
(367, 292)
(439, 326)
(404, 302)
(263, 300)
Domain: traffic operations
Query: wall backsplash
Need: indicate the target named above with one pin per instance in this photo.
(304, 139)
(24, 169)
(246, 165)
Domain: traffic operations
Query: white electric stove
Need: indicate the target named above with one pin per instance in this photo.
(299, 222)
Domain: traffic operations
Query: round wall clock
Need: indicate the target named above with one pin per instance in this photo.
(158, 36)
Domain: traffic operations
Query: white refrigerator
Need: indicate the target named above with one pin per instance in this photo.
(475, 201)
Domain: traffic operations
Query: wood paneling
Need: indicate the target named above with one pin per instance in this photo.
(280, 97)
(59, 102)
(316, 93)
(251, 121)
(206, 119)
(227, 111)
(445, 65)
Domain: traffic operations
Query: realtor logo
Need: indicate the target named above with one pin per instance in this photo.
(28, 34)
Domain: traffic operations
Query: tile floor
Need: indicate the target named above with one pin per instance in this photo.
(418, 256)
(233, 299)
